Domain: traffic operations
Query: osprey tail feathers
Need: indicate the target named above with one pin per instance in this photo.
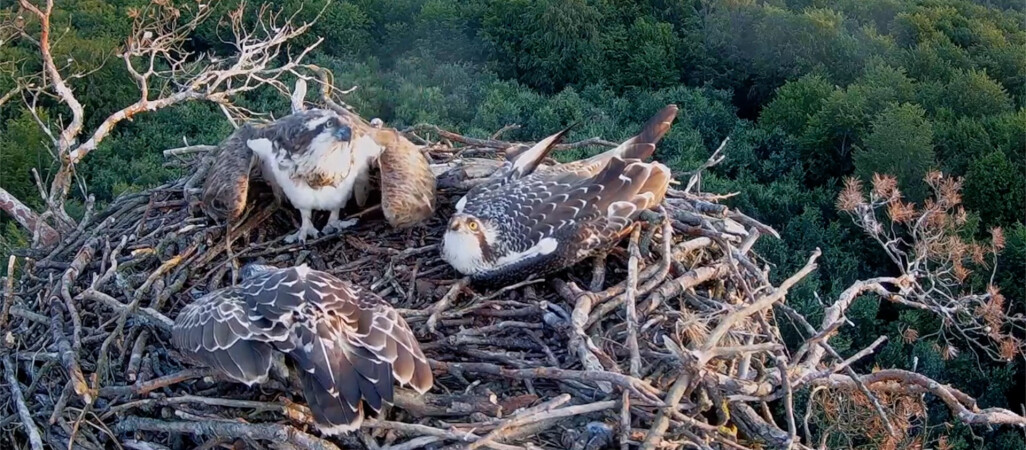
(332, 405)
(643, 145)
(525, 161)
(334, 382)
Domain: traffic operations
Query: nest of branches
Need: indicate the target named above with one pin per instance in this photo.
(670, 340)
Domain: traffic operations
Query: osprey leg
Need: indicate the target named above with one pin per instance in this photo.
(305, 230)
(334, 224)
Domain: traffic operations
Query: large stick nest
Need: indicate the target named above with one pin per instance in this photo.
(676, 315)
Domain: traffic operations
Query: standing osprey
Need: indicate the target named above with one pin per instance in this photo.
(316, 157)
(529, 220)
(350, 345)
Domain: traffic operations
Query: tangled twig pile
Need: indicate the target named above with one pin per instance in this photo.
(670, 339)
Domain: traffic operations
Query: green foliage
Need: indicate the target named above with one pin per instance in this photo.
(24, 147)
(996, 189)
(641, 55)
(899, 144)
(791, 108)
(809, 92)
(545, 44)
(344, 26)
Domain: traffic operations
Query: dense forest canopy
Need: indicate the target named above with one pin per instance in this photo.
(808, 91)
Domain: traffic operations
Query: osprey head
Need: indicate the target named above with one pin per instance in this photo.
(323, 129)
(467, 245)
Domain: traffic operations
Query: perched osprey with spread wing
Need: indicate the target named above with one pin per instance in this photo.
(529, 220)
(349, 345)
(318, 159)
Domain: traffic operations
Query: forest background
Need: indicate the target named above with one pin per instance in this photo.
(808, 91)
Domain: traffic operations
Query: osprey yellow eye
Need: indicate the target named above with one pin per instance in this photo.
(472, 225)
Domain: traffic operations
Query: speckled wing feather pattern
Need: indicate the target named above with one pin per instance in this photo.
(350, 346)
(579, 207)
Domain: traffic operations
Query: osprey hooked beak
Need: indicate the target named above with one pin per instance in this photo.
(344, 133)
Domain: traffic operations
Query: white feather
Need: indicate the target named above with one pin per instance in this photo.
(325, 154)
(313, 124)
(543, 247)
(463, 252)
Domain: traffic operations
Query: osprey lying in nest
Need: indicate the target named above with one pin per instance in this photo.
(530, 220)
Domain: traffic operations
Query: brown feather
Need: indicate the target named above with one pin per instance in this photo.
(407, 182)
(640, 147)
(643, 145)
(227, 184)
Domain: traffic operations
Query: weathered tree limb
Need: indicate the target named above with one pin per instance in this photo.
(960, 404)
(268, 432)
(19, 400)
(42, 233)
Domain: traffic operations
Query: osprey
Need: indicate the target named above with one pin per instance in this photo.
(529, 220)
(318, 159)
(349, 344)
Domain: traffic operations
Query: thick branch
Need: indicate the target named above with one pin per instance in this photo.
(270, 432)
(895, 380)
(27, 218)
(71, 131)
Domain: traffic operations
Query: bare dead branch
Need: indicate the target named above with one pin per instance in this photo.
(42, 233)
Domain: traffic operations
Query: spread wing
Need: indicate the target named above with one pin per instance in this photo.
(227, 184)
(349, 345)
(407, 182)
(217, 331)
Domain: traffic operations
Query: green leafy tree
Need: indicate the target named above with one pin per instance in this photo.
(794, 104)
(546, 44)
(996, 189)
(900, 144)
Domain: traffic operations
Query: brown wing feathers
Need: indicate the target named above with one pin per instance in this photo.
(350, 346)
(407, 183)
(227, 184)
(643, 145)
(639, 147)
